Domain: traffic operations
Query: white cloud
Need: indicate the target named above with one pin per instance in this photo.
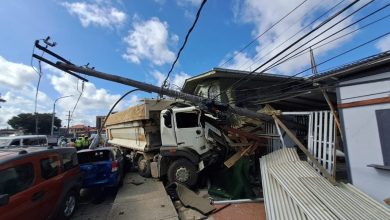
(149, 40)
(98, 14)
(175, 82)
(383, 44)
(188, 2)
(263, 14)
(18, 83)
(15, 74)
(94, 101)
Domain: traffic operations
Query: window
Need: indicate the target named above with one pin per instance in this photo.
(69, 160)
(93, 156)
(49, 167)
(31, 141)
(168, 119)
(15, 142)
(187, 119)
(383, 120)
(16, 179)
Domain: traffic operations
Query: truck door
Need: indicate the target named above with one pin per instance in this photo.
(189, 132)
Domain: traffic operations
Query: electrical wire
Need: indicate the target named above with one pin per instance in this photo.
(95, 141)
(290, 46)
(324, 31)
(302, 52)
(264, 32)
(291, 37)
(293, 78)
(185, 42)
(332, 58)
(78, 99)
(316, 36)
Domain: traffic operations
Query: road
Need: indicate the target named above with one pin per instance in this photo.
(95, 204)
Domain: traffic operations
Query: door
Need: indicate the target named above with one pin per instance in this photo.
(51, 185)
(189, 132)
(17, 181)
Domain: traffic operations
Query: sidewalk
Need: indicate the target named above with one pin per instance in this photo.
(145, 201)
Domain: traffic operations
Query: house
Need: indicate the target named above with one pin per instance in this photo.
(217, 82)
(360, 93)
(363, 102)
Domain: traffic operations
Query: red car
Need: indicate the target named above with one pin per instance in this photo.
(38, 183)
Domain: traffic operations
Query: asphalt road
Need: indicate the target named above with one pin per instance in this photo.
(95, 204)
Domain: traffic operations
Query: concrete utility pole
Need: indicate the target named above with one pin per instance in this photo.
(156, 89)
(67, 130)
(54, 112)
(325, 94)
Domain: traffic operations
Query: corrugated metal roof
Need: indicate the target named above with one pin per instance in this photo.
(277, 203)
(370, 62)
(295, 190)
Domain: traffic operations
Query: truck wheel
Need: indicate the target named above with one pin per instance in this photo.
(182, 171)
(68, 205)
(143, 166)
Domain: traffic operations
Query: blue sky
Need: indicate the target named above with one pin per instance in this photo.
(140, 38)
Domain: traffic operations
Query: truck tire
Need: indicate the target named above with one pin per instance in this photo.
(143, 166)
(182, 171)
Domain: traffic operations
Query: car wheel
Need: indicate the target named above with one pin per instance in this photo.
(183, 171)
(143, 166)
(68, 205)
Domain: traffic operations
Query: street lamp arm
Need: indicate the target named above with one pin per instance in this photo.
(54, 112)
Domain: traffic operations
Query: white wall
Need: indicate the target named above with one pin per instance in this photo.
(362, 137)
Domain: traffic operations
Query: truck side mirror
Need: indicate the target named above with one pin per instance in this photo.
(4, 199)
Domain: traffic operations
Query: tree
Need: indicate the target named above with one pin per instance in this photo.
(26, 121)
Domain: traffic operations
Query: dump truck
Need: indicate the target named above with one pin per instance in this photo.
(164, 138)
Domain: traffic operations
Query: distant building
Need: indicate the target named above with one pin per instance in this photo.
(78, 130)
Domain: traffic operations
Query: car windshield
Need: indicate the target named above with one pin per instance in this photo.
(4, 142)
(93, 156)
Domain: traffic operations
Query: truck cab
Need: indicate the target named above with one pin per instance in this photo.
(187, 146)
(182, 128)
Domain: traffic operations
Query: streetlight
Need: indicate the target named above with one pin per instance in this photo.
(54, 110)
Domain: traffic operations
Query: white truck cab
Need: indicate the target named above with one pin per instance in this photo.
(182, 128)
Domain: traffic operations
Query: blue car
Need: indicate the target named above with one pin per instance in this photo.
(101, 167)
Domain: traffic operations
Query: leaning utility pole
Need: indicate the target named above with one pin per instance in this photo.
(72, 69)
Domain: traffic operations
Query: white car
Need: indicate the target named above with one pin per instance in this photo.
(23, 140)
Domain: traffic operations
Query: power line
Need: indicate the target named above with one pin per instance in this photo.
(264, 32)
(296, 33)
(185, 42)
(291, 45)
(324, 31)
(332, 58)
(300, 53)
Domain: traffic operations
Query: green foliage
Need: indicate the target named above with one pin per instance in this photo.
(27, 121)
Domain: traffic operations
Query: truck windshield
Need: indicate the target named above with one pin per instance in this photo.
(93, 156)
(187, 119)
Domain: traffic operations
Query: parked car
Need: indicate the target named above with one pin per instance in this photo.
(38, 183)
(23, 140)
(101, 167)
